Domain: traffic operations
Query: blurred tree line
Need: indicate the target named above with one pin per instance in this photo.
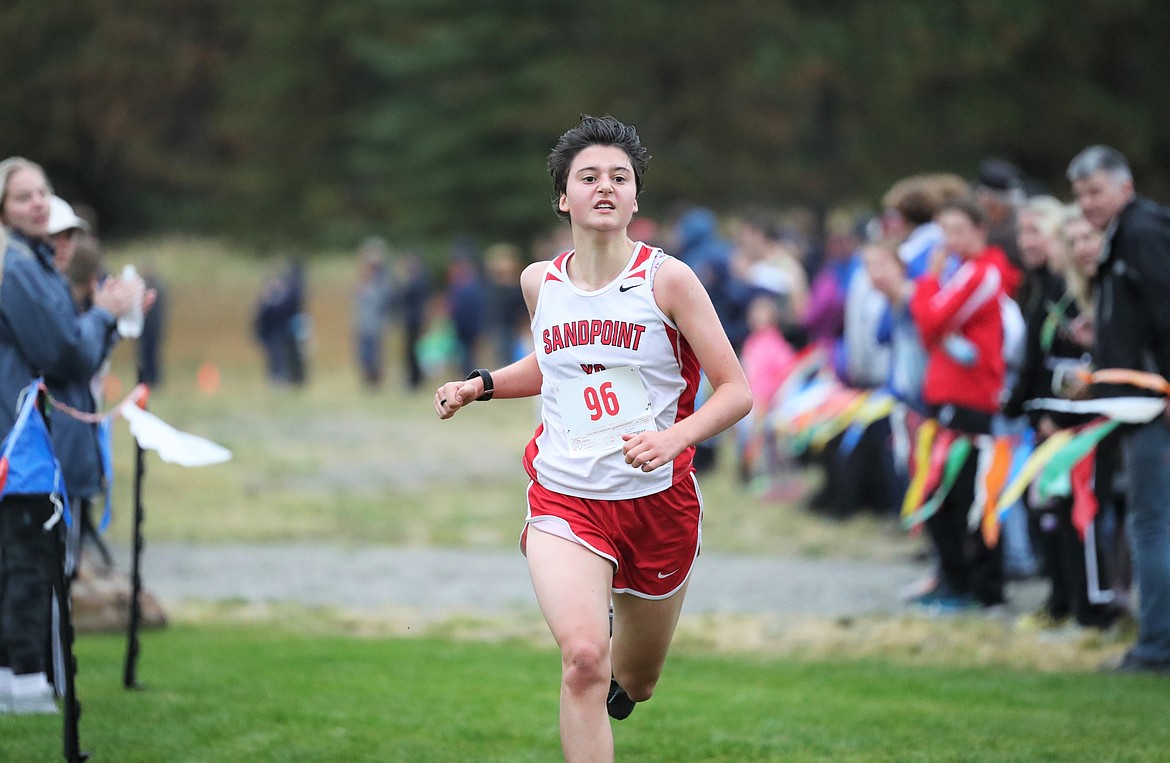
(315, 122)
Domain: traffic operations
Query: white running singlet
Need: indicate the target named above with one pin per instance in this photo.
(612, 363)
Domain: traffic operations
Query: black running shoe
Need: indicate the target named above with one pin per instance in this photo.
(618, 703)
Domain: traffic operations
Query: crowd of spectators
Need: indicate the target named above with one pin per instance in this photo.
(973, 310)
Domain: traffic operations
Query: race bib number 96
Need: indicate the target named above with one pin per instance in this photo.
(599, 408)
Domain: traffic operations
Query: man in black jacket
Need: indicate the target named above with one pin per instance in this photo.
(1132, 304)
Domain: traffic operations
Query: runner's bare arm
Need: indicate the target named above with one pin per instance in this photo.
(520, 379)
(682, 298)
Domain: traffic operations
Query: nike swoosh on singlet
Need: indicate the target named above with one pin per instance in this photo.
(628, 286)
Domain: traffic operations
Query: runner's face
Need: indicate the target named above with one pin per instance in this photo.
(26, 202)
(601, 192)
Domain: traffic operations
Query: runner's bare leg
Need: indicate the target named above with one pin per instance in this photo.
(642, 632)
(572, 586)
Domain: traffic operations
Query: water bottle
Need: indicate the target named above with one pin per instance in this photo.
(130, 324)
(961, 349)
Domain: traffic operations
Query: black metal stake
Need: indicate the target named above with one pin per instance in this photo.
(130, 670)
(70, 733)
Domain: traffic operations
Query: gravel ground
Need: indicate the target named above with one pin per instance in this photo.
(493, 582)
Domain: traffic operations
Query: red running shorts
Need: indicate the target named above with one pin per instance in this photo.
(652, 541)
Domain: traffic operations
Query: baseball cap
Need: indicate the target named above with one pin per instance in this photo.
(999, 175)
(62, 217)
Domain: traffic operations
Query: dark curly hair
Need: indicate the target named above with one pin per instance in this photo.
(594, 131)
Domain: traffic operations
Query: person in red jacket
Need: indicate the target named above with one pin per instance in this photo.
(962, 328)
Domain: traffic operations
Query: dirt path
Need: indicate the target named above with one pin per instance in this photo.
(736, 603)
(488, 582)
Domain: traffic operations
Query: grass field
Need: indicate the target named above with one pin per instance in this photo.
(254, 694)
(334, 463)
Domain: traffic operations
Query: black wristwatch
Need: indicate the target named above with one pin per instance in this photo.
(489, 388)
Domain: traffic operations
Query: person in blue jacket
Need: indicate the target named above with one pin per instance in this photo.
(41, 334)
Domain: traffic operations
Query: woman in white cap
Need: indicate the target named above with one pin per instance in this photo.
(64, 227)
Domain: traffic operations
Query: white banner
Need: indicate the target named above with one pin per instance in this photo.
(1131, 410)
(172, 446)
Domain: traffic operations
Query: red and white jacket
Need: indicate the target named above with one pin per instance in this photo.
(968, 305)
